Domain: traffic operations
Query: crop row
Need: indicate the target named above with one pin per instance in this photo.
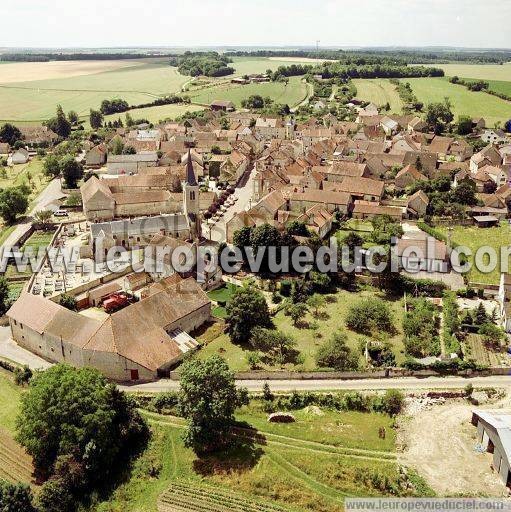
(202, 498)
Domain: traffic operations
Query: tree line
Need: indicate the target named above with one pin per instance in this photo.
(47, 57)
(390, 56)
(202, 63)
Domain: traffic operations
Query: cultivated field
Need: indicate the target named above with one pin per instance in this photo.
(33, 71)
(247, 65)
(292, 93)
(465, 102)
(380, 92)
(36, 100)
(479, 71)
(15, 464)
(30, 92)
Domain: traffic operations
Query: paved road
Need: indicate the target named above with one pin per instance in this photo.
(13, 352)
(51, 193)
(404, 383)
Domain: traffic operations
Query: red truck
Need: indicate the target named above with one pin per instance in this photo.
(115, 301)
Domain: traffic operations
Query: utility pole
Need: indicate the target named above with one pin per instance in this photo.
(317, 45)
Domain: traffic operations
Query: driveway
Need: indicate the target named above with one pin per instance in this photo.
(11, 351)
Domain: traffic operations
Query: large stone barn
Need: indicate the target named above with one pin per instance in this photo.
(140, 342)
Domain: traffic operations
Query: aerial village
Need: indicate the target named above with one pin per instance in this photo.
(238, 179)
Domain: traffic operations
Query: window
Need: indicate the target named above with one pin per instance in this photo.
(192, 195)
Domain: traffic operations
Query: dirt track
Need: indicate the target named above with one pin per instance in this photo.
(439, 443)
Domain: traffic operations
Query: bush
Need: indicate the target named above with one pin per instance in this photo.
(164, 402)
(393, 401)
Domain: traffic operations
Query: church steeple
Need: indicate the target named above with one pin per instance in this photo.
(191, 203)
(190, 173)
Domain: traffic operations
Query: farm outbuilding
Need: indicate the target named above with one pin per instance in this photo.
(494, 435)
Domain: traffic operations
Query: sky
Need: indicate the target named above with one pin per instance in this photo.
(107, 23)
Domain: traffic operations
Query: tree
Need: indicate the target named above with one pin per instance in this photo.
(43, 217)
(13, 202)
(96, 119)
(4, 295)
(15, 498)
(335, 353)
(246, 310)
(59, 124)
(465, 193)
(370, 315)
(438, 115)
(274, 344)
(253, 102)
(224, 123)
(72, 171)
(316, 302)
(10, 134)
(116, 146)
(72, 117)
(296, 312)
(68, 302)
(77, 413)
(297, 228)
(267, 394)
(265, 235)
(208, 400)
(464, 125)
(481, 317)
(51, 166)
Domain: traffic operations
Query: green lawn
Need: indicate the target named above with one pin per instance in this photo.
(223, 294)
(500, 86)
(308, 339)
(474, 238)
(292, 93)
(465, 102)
(380, 92)
(154, 114)
(310, 465)
(5, 232)
(39, 239)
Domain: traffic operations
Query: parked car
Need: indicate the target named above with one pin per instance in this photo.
(61, 213)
